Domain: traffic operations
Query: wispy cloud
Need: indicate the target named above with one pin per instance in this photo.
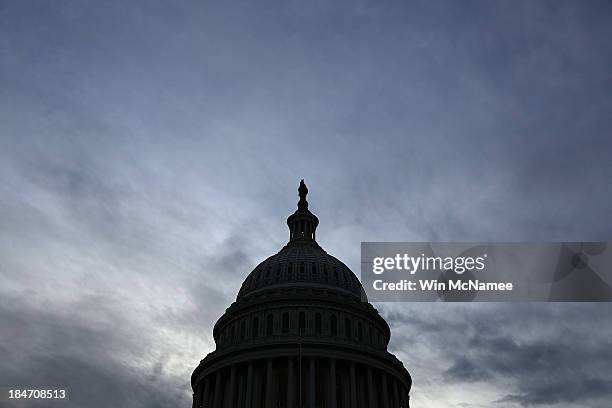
(149, 154)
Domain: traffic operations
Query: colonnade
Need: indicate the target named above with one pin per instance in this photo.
(309, 382)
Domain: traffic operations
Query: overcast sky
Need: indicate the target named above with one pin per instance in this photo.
(150, 153)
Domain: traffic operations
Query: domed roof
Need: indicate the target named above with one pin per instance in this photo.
(302, 263)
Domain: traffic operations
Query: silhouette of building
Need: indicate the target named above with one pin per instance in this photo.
(301, 333)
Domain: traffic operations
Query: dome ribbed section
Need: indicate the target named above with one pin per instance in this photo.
(301, 265)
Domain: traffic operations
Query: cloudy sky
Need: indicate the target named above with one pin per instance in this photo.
(151, 151)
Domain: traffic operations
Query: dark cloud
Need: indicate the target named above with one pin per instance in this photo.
(574, 390)
(88, 358)
(464, 370)
(149, 154)
(552, 354)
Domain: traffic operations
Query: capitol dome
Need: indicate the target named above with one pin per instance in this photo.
(302, 265)
(301, 334)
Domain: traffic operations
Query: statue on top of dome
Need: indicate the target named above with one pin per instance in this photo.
(303, 191)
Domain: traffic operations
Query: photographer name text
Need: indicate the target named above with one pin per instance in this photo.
(437, 286)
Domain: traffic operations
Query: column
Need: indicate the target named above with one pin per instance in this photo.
(198, 395)
(240, 400)
(249, 387)
(385, 390)
(311, 383)
(353, 388)
(403, 397)
(269, 385)
(231, 397)
(396, 400)
(258, 384)
(290, 384)
(371, 399)
(206, 396)
(345, 387)
(332, 384)
(217, 397)
(362, 387)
